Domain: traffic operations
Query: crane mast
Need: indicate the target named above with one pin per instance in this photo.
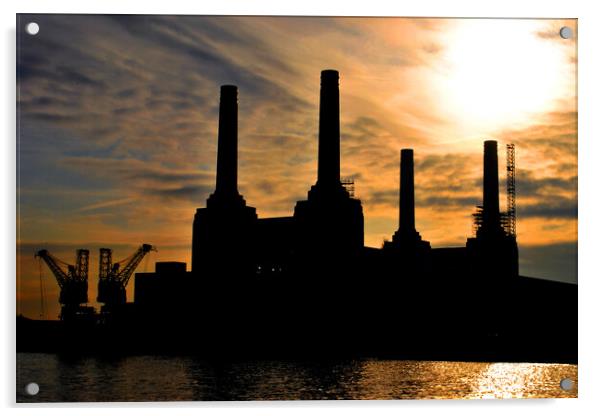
(104, 263)
(80, 272)
(73, 282)
(510, 190)
(113, 278)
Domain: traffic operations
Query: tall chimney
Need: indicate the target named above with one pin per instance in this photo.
(227, 143)
(491, 192)
(329, 135)
(406, 192)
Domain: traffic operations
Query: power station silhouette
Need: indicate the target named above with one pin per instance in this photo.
(306, 285)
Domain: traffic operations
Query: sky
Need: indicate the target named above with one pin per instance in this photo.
(117, 129)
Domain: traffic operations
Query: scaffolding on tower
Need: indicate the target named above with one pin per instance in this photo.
(349, 185)
(508, 218)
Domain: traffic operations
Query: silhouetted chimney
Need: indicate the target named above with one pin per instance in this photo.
(329, 135)
(406, 237)
(491, 192)
(406, 192)
(227, 143)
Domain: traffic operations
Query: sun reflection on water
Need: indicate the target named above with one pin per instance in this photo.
(463, 380)
(523, 380)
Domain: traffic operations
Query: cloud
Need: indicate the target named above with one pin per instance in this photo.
(189, 193)
(435, 201)
(547, 182)
(105, 204)
(144, 181)
(549, 34)
(384, 197)
(76, 78)
(555, 207)
(530, 185)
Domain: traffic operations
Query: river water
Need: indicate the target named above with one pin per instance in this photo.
(169, 378)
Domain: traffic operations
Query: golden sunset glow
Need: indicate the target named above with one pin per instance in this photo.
(485, 85)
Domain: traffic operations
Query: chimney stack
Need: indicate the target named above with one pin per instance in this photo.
(491, 192)
(329, 134)
(227, 143)
(407, 222)
(406, 237)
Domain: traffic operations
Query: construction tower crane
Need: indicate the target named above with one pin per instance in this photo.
(73, 282)
(511, 190)
(113, 278)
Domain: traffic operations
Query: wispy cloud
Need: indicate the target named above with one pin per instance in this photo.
(105, 204)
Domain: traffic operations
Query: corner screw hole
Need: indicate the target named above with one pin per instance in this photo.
(566, 32)
(32, 389)
(567, 384)
(32, 28)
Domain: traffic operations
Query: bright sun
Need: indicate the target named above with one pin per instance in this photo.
(496, 74)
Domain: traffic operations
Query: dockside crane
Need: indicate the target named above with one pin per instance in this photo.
(73, 282)
(113, 278)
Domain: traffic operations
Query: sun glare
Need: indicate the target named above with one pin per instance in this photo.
(497, 73)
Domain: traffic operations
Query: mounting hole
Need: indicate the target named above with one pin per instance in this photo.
(32, 389)
(567, 384)
(32, 28)
(566, 32)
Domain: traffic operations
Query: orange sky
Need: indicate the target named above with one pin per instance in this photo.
(118, 128)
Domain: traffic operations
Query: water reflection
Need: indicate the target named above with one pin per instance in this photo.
(161, 378)
(417, 379)
(523, 380)
(275, 380)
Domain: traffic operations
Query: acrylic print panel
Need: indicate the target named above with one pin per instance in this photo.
(260, 208)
